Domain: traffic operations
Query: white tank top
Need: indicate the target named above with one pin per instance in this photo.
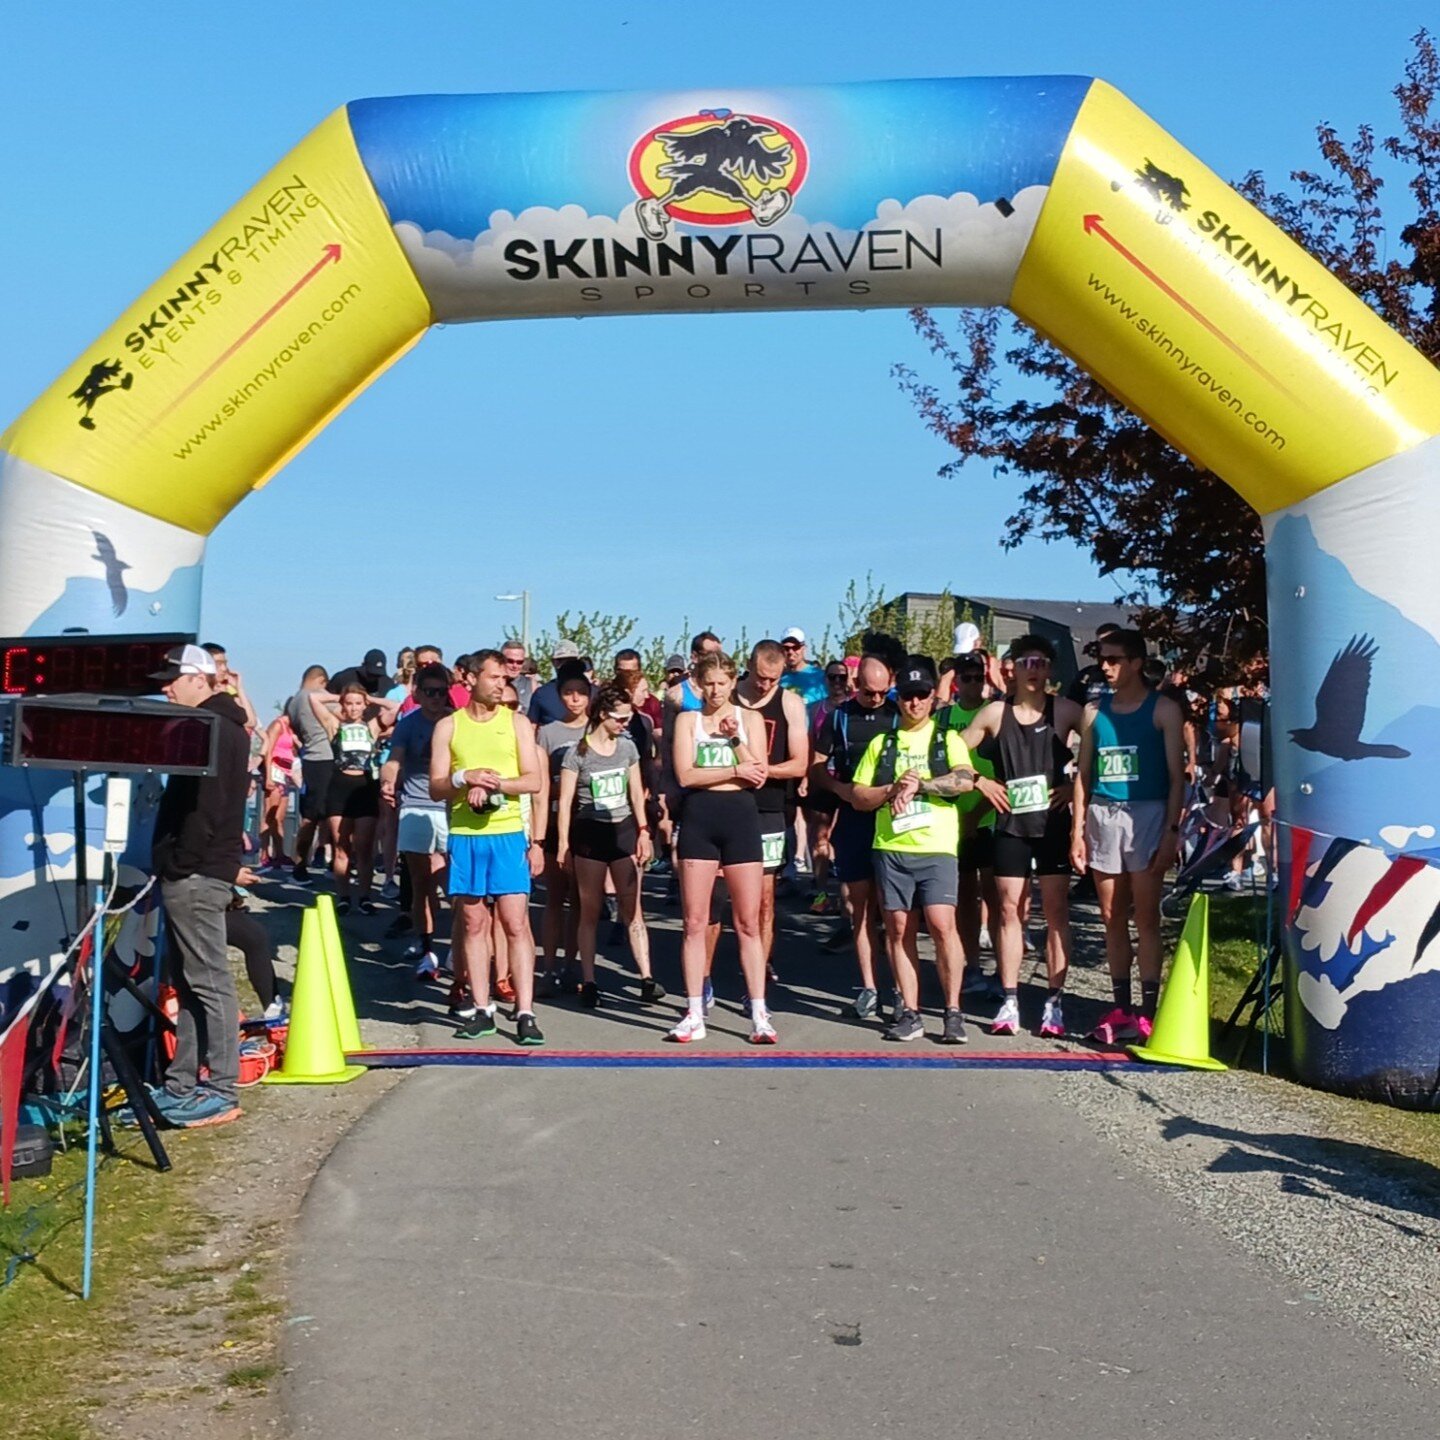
(715, 752)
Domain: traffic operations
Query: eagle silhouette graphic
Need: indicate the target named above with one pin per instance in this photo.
(718, 158)
(1340, 708)
(115, 569)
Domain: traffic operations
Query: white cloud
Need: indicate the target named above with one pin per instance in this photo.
(467, 279)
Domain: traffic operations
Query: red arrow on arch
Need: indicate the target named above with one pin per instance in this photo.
(330, 256)
(1094, 225)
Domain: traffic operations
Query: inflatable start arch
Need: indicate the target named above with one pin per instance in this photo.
(1054, 196)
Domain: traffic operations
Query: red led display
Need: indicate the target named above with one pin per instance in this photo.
(60, 735)
(81, 665)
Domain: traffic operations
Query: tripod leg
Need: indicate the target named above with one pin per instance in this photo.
(135, 1092)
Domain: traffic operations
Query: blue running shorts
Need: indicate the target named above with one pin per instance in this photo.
(489, 865)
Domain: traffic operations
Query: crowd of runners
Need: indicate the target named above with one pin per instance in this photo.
(947, 799)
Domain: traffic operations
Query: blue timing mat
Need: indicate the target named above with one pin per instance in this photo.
(766, 1058)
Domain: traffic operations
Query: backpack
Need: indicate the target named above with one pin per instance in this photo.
(939, 753)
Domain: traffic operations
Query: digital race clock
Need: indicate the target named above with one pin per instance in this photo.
(85, 664)
(111, 735)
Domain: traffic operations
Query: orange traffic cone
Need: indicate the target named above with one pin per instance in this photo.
(1182, 1022)
(339, 975)
(313, 1053)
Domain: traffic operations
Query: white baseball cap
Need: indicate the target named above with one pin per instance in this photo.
(794, 633)
(185, 660)
(967, 637)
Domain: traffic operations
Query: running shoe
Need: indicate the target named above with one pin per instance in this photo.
(427, 967)
(367, 906)
(463, 1008)
(1007, 1022)
(390, 890)
(906, 1025)
(763, 1033)
(200, 1108)
(822, 904)
(527, 1032)
(652, 992)
(1116, 1028)
(954, 1031)
(692, 1027)
(866, 1003)
(589, 995)
(976, 981)
(1234, 882)
(707, 995)
(300, 875)
(1144, 1029)
(1052, 1022)
(481, 1024)
(277, 1012)
(504, 990)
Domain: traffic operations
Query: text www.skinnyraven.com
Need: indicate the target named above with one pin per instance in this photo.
(262, 377)
(1192, 368)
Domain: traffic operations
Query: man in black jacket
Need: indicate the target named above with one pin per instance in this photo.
(197, 854)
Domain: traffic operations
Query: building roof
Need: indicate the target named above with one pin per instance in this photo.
(1082, 616)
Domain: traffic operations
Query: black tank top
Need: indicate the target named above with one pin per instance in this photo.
(1031, 761)
(771, 796)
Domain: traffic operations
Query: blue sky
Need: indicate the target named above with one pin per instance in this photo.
(469, 468)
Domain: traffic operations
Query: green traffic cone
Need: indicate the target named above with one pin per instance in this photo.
(1182, 1021)
(339, 975)
(313, 1055)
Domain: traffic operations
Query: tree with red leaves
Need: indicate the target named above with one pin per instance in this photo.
(1096, 474)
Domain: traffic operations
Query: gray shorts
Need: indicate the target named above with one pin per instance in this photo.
(905, 881)
(1123, 836)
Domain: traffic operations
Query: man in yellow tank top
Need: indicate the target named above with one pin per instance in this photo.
(482, 759)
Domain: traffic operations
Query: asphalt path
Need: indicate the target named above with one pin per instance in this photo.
(625, 1253)
(814, 1253)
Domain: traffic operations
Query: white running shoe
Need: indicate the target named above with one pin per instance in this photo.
(764, 1033)
(427, 967)
(1007, 1022)
(692, 1027)
(1052, 1022)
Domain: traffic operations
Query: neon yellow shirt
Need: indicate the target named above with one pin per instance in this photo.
(929, 825)
(959, 717)
(491, 746)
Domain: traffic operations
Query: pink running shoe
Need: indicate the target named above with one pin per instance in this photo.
(1007, 1021)
(1144, 1029)
(1116, 1028)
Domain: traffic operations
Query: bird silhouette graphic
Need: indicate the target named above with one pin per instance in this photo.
(1340, 708)
(115, 569)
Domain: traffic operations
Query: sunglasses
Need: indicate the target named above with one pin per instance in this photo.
(791, 645)
(838, 677)
(1032, 662)
(917, 695)
(1113, 659)
(874, 694)
(433, 691)
(963, 675)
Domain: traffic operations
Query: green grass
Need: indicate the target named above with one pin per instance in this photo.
(58, 1351)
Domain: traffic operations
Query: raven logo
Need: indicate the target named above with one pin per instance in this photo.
(716, 168)
(1340, 708)
(1169, 192)
(115, 569)
(104, 376)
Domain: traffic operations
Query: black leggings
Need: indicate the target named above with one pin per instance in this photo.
(248, 936)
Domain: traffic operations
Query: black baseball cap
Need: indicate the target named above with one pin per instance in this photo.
(374, 662)
(914, 680)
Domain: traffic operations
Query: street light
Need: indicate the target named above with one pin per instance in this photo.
(523, 596)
